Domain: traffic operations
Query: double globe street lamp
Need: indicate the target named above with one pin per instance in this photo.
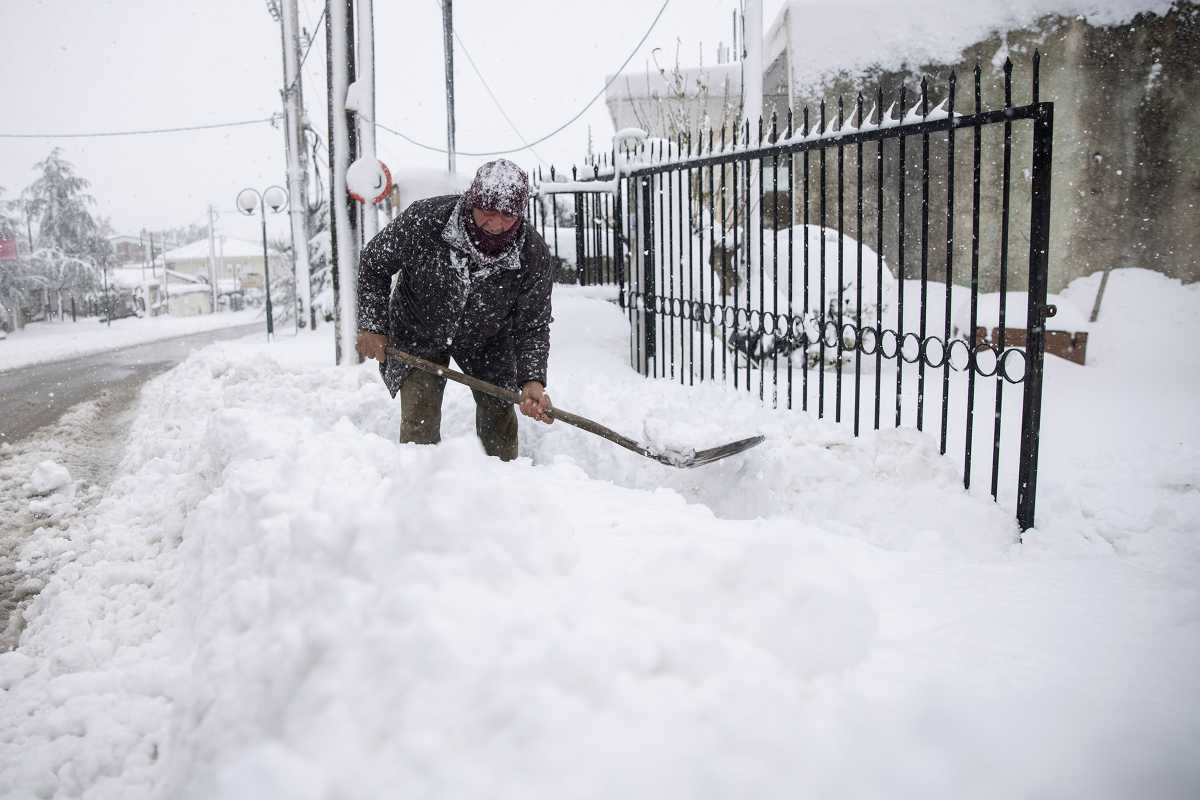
(249, 200)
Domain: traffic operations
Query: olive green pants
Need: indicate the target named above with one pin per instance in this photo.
(421, 415)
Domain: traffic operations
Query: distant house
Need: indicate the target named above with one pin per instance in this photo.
(148, 291)
(237, 260)
(127, 249)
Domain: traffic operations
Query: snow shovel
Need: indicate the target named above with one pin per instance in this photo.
(684, 459)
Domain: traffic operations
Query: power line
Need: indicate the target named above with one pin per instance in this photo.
(479, 74)
(556, 131)
(100, 134)
(312, 38)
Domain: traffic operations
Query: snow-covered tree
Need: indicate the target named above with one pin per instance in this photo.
(320, 260)
(60, 204)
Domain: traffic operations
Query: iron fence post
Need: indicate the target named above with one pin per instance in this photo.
(1039, 245)
(580, 255)
(648, 289)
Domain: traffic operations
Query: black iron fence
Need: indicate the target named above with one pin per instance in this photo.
(838, 260)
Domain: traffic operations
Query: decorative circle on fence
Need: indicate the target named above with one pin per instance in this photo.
(960, 358)
(874, 337)
(781, 325)
(985, 358)
(829, 334)
(933, 352)
(852, 333)
(1007, 371)
(910, 355)
(895, 340)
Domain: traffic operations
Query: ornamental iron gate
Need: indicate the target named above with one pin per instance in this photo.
(764, 259)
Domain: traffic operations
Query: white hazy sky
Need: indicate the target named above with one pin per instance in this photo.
(99, 65)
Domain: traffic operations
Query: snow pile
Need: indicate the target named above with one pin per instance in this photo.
(858, 35)
(275, 600)
(52, 489)
(47, 477)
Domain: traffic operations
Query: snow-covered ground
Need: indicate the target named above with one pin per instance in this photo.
(39, 342)
(276, 600)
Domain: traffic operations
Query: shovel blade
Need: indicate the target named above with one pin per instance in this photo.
(702, 457)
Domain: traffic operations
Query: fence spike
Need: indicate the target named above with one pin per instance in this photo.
(774, 127)
(574, 173)
(1008, 68)
(924, 97)
(760, 130)
(879, 104)
(596, 171)
(789, 123)
(1037, 73)
(551, 172)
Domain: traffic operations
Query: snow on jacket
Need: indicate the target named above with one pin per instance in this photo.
(492, 315)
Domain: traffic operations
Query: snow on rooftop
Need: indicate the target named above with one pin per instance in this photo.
(233, 248)
(856, 35)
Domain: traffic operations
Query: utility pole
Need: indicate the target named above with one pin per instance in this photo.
(297, 171)
(212, 258)
(339, 41)
(365, 108)
(448, 34)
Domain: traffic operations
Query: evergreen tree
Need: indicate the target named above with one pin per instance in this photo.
(59, 203)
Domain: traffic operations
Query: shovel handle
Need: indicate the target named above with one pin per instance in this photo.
(575, 420)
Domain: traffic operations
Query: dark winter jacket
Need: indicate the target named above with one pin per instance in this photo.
(492, 315)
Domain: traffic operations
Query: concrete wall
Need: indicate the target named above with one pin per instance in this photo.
(1126, 167)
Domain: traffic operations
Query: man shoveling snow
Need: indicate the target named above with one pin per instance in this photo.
(473, 283)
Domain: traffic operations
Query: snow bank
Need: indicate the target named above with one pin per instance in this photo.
(277, 600)
(41, 342)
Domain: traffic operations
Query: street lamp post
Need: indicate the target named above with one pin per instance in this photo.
(249, 201)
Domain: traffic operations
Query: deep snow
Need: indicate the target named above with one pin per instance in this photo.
(275, 599)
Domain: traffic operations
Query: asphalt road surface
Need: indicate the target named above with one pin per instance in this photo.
(35, 396)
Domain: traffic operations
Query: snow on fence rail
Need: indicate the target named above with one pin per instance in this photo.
(835, 261)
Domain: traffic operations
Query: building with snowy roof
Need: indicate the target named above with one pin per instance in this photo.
(127, 249)
(237, 260)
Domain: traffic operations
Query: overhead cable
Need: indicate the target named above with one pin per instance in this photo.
(551, 134)
(99, 134)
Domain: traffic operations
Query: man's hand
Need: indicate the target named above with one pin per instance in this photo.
(535, 402)
(372, 345)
